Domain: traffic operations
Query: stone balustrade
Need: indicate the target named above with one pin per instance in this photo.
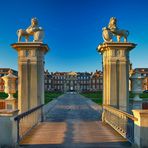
(27, 120)
(141, 128)
(121, 121)
(133, 127)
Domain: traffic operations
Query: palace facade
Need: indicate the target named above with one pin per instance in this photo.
(73, 81)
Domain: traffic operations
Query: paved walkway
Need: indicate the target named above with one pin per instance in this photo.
(74, 122)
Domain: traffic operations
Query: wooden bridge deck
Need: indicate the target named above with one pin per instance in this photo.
(77, 126)
(83, 132)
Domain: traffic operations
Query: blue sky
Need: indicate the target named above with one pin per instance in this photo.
(73, 30)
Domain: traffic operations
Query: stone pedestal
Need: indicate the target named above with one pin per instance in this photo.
(141, 128)
(116, 73)
(30, 74)
(8, 128)
(11, 104)
(136, 104)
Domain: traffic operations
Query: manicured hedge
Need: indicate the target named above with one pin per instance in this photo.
(3, 95)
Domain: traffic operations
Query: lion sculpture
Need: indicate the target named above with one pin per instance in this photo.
(112, 29)
(34, 30)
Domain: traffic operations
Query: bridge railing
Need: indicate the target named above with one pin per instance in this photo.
(121, 121)
(27, 120)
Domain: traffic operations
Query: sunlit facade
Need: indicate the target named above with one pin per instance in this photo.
(73, 81)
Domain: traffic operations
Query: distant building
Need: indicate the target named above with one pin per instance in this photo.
(4, 71)
(97, 81)
(47, 81)
(142, 72)
(73, 81)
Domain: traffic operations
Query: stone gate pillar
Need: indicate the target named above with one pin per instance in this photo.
(30, 74)
(116, 73)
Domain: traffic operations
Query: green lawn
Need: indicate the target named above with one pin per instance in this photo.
(97, 96)
(143, 95)
(94, 96)
(49, 96)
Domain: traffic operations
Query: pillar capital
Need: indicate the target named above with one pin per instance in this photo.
(112, 46)
(30, 45)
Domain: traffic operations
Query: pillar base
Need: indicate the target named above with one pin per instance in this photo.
(137, 104)
(8, 128)
(141, 128)
(137, 98)
(11, 104)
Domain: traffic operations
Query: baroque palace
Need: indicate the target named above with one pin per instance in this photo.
(75, 81)
(66, 81)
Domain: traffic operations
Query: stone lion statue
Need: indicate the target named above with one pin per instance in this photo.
(112, 29)
(34, 30)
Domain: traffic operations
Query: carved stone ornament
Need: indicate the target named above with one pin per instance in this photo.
(113, 30)
(34, 30)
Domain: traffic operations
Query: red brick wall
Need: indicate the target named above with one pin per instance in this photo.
(2, 104)
(1, 85)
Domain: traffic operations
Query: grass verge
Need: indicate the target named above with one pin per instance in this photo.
(94, 96)
(49, 96)
(97, 96)
(143, 95)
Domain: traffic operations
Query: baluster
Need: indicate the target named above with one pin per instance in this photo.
(28, 120)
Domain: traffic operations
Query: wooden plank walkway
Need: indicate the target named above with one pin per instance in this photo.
(83, 132)
(46, 133)
(74, 123)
